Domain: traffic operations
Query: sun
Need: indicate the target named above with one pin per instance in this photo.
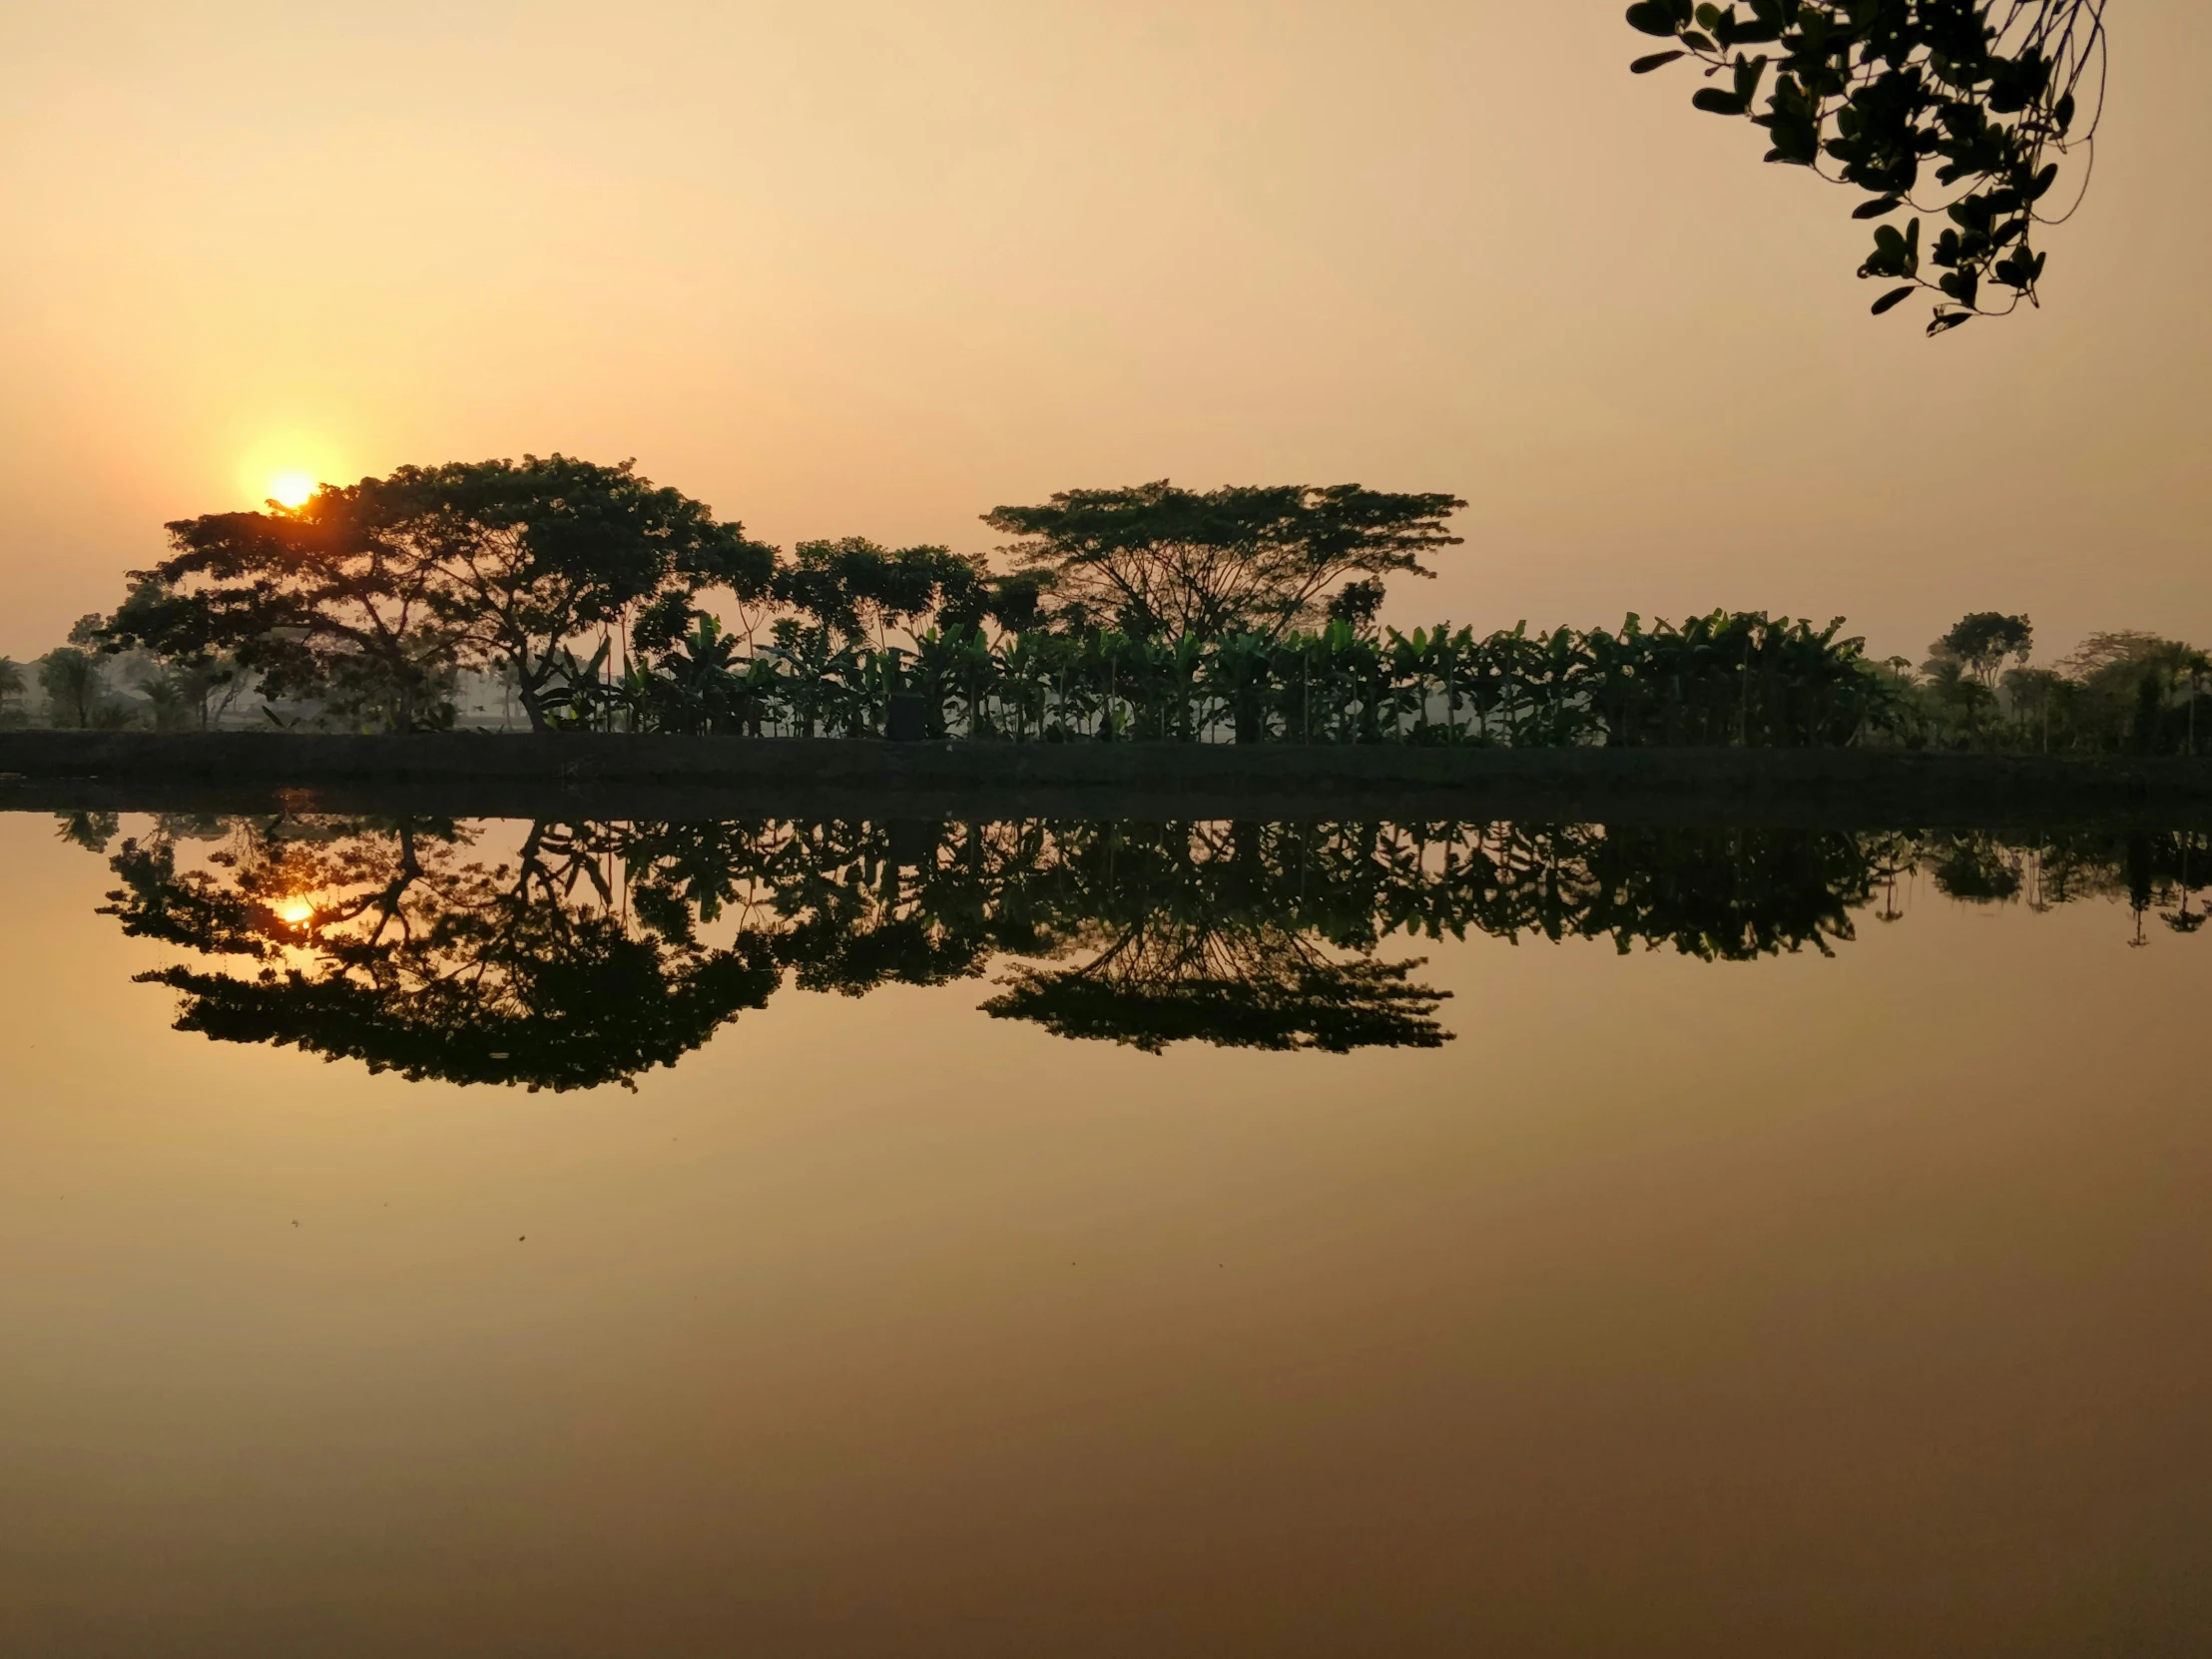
(290, 489)
(296, 911)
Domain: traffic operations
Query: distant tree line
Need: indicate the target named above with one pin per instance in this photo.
(585, 953)
(595, 600)
(2118, 693)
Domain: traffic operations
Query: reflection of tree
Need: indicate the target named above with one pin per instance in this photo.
(1725, 895)
(2144, 868)
(1976, 867)
(390, 946)
(588, 954)
(90, 831)
(1256, 988)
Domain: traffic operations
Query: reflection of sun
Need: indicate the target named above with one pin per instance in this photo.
(290, 489)
(296, 911)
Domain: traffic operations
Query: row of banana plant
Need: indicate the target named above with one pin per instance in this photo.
(1740, 678)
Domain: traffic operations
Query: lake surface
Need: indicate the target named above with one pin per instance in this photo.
(1084, 1239)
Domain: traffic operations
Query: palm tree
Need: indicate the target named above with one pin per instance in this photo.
(71, 677)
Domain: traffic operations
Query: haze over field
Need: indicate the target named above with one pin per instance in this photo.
(867, 268)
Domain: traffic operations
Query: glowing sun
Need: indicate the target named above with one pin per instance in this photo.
(295, 910)
(290, 489)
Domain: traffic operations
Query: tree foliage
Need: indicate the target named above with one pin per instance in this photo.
(2127, 692)
(1158, 562)
(369, 595)
(860, 592)
(70, 676)
(1957, 108)
(1984, 640)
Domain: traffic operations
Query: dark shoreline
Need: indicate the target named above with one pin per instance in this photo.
(599, 776)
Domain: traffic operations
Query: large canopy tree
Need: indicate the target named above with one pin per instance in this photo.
(330, 600)
(531, 556)
(367, 593)
(1159, 562)
(1959, 107)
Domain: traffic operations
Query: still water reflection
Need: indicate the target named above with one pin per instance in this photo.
(1093, 1240)
(566, 955)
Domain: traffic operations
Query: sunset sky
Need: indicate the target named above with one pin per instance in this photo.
(851, 267)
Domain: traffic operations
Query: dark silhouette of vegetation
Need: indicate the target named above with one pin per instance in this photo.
(1742, 678)
(2118, 694)
(568, 955)
(75, 690)
(1982, 640)
(1959, 107)
(414, 957)
(90, 831)
(1158, 563)
(2154, 872)
(1146, 614)
(76, 684)
(368, 596)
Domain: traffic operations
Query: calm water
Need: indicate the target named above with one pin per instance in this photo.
(1102, 1240)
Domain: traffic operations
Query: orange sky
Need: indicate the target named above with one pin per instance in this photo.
(873, 269)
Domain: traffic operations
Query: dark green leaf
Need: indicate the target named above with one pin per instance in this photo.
(1644, 66)
(1894, 298)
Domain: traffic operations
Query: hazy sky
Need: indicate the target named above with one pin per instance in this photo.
(873, 269)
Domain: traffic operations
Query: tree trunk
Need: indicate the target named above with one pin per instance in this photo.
(527, 690)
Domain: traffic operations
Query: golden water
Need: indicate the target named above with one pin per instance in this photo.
(1805, 1306)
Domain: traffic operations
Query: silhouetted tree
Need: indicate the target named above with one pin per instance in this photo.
(370, 594)
(1982, 640)
(332, 600)
(859, 591)
(1162, 562)
(1963, 108)
(74, 685)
